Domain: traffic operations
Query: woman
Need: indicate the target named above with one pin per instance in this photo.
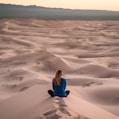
(59, 86)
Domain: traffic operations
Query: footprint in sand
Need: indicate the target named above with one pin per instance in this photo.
(12, 86)
(60, 109)
(20, 78)
(91, 83)
(81, 117)
(24, 88)
(65, 111)
(51, 114)
(59, 101)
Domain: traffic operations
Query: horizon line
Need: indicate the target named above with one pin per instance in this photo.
(58, 7)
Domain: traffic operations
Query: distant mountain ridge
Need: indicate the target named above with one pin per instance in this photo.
(32, 11)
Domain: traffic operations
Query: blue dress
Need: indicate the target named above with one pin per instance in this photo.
(60, 90)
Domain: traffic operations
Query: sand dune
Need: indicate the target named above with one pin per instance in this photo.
(32, 50)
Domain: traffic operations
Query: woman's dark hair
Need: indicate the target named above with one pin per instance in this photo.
(57, 79)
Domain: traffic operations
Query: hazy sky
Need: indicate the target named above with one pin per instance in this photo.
(73, 4)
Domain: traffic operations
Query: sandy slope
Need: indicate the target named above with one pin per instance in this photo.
(32, 50)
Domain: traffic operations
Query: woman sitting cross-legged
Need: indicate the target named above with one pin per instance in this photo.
(59, 86)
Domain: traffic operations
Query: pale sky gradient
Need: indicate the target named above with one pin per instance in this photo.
(73, 4)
